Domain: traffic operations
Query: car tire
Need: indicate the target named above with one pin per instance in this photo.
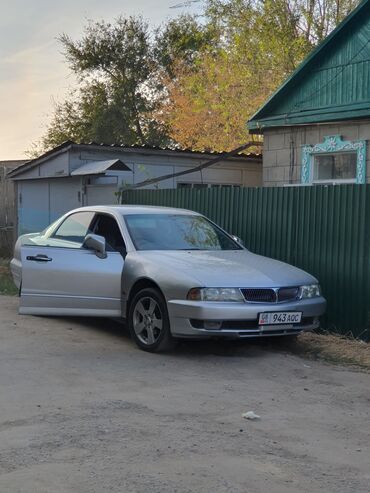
(148, 321)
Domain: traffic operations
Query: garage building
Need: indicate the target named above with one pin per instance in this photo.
(74, 175)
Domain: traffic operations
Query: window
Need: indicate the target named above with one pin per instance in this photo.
(177, 232)
(333, 167)
(197, 186)
(74, 229)
(334, 161)
(107, 227)
(225, 186)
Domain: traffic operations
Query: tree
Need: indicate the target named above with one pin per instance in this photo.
(182, 39)
(254, 48)
(319, 17)
(189, 83)
(118, 88)
(256, 45)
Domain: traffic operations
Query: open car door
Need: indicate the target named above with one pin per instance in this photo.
(61, 277)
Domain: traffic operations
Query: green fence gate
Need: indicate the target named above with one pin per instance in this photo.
(325, 230)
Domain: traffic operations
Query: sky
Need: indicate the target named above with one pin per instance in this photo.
(33, 73)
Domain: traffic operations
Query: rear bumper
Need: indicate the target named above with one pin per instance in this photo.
(240, 320)
(16, 270)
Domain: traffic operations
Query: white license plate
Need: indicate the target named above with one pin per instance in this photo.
(276, 318)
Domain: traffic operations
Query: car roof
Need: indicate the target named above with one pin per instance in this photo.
(137, 209)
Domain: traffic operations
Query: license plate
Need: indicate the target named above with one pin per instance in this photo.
(276, 318)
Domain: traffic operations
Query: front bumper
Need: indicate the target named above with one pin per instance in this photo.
(240, 320)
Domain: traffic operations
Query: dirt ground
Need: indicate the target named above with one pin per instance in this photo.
(83, 410)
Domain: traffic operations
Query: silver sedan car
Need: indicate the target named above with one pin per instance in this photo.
(170, 273)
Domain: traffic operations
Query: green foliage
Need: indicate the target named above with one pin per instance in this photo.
(7, 285)
(256, 45)
(118, 88)
(190, 82)
(183, 39)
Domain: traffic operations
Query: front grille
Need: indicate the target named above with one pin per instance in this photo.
(269, 295)
(261, 295)
(239, 324)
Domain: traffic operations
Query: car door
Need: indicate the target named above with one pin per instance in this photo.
(60, 277)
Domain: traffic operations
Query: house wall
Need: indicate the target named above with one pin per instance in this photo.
(47, 191)
(146, 165)
(55, 166)
(282, 154)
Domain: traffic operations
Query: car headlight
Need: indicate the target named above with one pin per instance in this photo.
(310, 291)
(215, 294)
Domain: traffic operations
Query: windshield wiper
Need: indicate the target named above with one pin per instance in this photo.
(184, 249)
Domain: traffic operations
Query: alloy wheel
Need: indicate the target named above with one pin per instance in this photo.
(147, 320)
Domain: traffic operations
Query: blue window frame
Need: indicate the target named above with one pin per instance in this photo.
(334, 161)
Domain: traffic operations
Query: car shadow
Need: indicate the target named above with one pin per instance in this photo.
(225, 348)
(109, 326)
(255, 347)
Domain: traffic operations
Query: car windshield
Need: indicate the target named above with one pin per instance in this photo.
(177, 232)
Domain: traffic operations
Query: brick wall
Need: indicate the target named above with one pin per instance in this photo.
(282, 148)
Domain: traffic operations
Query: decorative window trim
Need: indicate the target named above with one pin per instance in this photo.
(331, 144)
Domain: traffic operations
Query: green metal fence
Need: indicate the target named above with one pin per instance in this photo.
(325, 230)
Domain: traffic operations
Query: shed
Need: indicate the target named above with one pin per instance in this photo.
(316, 126)
(74, 175)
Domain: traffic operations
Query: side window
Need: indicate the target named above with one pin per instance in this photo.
(107, 226)
(74, 229)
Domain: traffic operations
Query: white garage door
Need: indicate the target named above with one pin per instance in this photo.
(33, 206)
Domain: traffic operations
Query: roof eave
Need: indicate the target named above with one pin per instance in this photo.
(257, 127)
(164, 152)
(44, 157)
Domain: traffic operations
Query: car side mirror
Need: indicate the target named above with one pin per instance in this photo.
(237, 239)
(96, 243)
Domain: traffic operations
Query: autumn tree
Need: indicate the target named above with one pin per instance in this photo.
(256, 45)
(254, 48)
(192, 82)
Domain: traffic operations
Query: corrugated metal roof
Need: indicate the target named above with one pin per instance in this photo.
(169, 149)
(99, 167)
(65, 146)
(331, 84)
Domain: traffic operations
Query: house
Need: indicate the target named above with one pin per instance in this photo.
(316, 126)
(73, 175)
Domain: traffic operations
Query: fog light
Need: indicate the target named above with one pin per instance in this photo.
(212, 324)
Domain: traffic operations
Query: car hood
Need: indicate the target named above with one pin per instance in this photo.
(227, 268)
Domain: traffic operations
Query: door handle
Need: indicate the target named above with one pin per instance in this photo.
(39, 258)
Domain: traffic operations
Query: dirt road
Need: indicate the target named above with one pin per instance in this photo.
(83, 411)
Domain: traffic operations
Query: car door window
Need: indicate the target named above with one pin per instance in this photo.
(73, 230)
(107, 226)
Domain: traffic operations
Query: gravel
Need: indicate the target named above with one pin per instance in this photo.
(83, 410)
